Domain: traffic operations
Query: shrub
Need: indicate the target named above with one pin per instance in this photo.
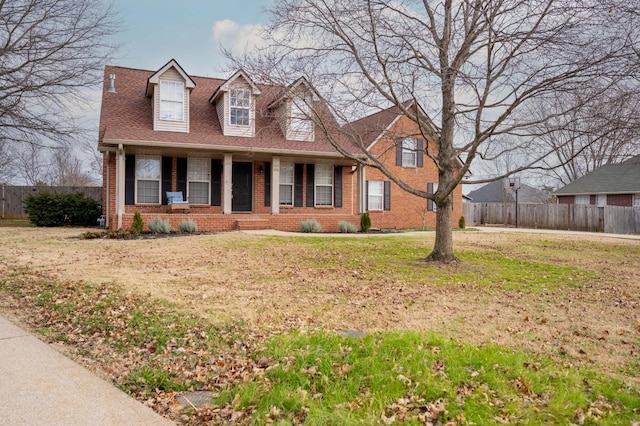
(347, 227)
(462, 223)
(45, 209)
(137, 225)
(159, 226)
(365, 222)
(310, 226)
(188, 226)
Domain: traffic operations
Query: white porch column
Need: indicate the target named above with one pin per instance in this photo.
(275, 185)
(362, 189)
(120, 187)
(227, 167)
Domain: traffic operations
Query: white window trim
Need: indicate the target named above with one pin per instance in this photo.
(380, 195)
(410, 150)
(232, 107)
(316, 185)
(164, 100)
(207, 181)
(159, 179)
(291, 184)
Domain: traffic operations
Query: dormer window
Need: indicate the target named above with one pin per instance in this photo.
(171, 100)
(299, 118)
(239, 106)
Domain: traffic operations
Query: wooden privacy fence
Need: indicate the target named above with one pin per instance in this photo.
(575, 217)
(12, 197)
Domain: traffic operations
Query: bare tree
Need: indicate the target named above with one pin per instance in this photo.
(30, 165)
(50, 51)
(66, 169)
(6, 163)
(475, 67)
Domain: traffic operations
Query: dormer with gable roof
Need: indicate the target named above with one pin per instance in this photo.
(169, 88)
(294, 110)
(235, 102)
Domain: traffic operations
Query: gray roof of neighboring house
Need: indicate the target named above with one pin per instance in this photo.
(621, 178)
(494, 192)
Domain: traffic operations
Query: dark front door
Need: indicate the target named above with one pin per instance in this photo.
(242, 188)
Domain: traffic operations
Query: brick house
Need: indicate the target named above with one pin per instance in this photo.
(243, 155)
(397, 142)
(609, 185)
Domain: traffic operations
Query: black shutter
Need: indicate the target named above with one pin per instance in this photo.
(398, 152)
(216, 182)
(298, 183)
(181, 174)
(366, 197)
(267, 184)
(311, 180)
(167, 168)
(130, 180)
(420, 153)
(387, 195)
(430, 203)
(337, 186)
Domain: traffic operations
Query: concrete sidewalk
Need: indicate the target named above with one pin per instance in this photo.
(40, 386)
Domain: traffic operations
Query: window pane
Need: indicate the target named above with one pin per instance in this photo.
(147, 167)
(409, 152)
(376, 190)
(239, 116)
(324, 174)
(239, 98)
(171, 100)
(198, 169)
(148, 191)
(324, 196)
(582, 199)
(286, 195)
(636, 200)
(198, 192)
(286, 173)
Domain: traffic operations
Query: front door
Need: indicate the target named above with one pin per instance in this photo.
(242, 187)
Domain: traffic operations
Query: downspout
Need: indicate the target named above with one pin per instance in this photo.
(107, 193)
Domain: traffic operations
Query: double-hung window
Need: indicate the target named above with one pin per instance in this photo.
(376, 193)
(171, 100)
(147, 179)
(324, 184)
(286, 184)
(300, 113)
(239, 105)
(198, 180)
(409, 152)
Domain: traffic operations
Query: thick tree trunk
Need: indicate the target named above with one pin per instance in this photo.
(443, 246)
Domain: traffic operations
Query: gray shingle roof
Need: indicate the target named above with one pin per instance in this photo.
(621, 178)
(494, 192)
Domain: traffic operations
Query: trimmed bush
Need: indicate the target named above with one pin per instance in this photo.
(462, 223)
(45, 209)
(347, 227)
(365, 222)
(310, 226)
(137, 225)
(188, 226)
(159, 226)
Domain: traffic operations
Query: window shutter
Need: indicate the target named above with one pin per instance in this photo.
(366, 197)
(130, 180)
(216, 182)
(398, 152)
(311, 181)
(430, 203)
(420, 153)
(298, 184)
(167, 168)
(181, 173)
(387, 195)
(337, 186)
(267, 184)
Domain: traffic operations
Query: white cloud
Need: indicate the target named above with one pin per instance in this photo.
(236, 37)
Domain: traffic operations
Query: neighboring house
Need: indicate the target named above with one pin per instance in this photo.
(243, 155)
(496, 192)
(397, 142)
(609, 185)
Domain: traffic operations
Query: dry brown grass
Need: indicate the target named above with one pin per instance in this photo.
(270, 284)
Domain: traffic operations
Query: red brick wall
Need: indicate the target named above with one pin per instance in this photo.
(623, 200)
(407, 210)
(565, 199)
